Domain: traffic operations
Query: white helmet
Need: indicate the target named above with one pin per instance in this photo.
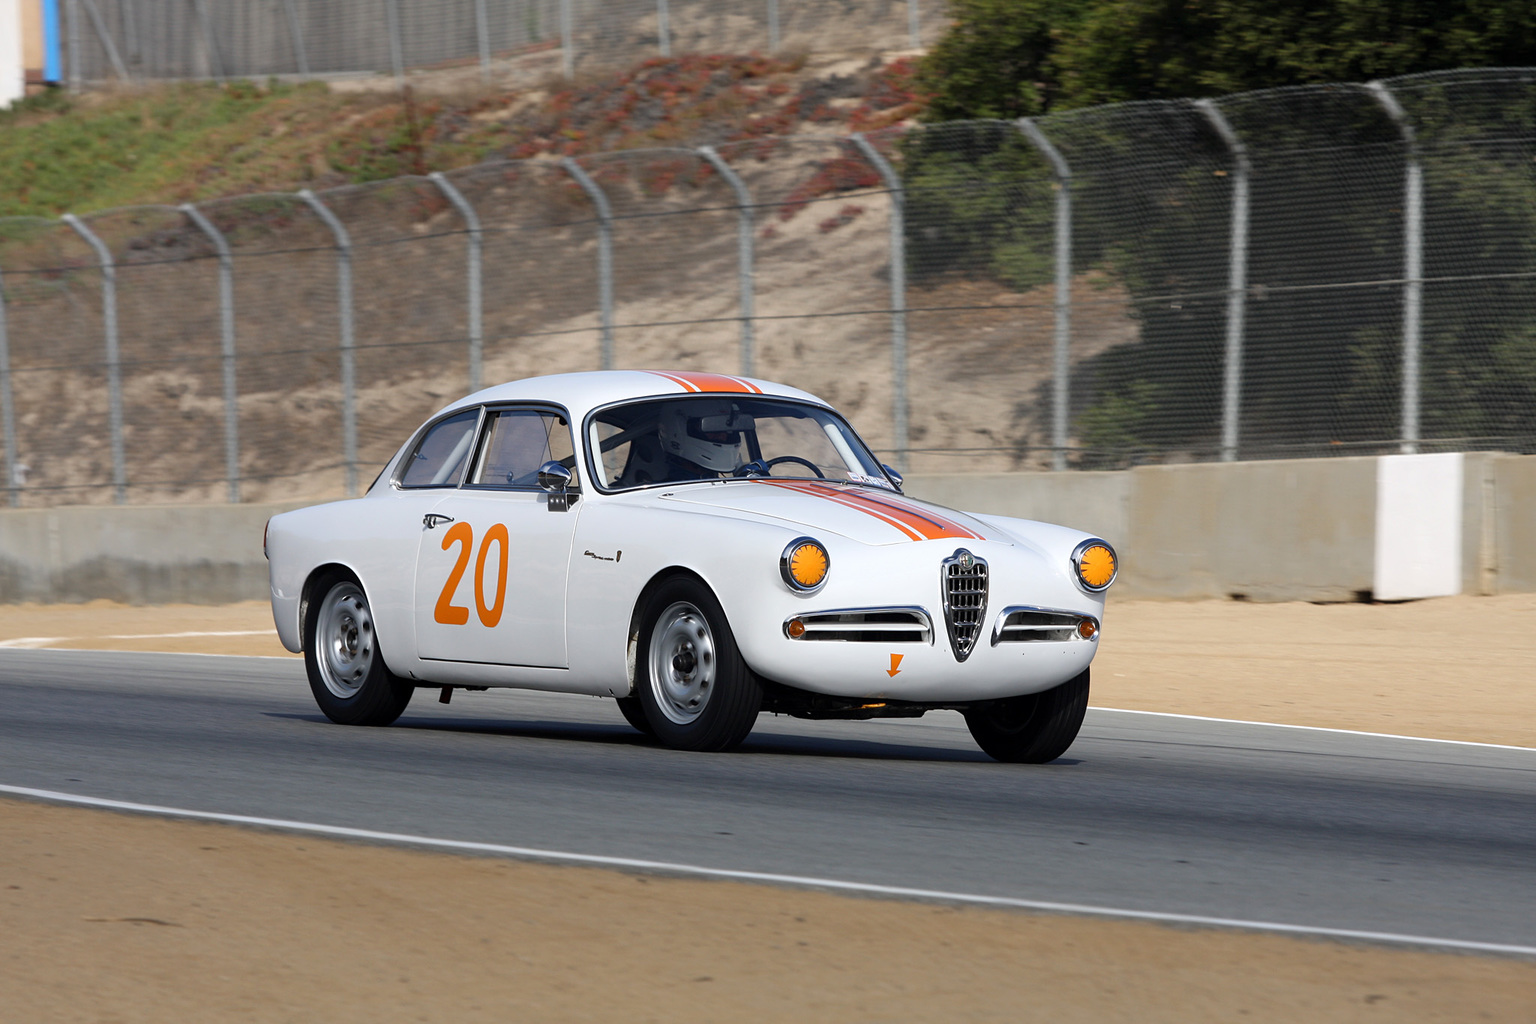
(706, 435)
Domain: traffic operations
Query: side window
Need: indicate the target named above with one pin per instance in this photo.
(517, 443)
(438, 460)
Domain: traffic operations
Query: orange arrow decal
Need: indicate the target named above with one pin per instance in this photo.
(895, 664)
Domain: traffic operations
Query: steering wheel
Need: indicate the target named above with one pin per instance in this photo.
(807, 463)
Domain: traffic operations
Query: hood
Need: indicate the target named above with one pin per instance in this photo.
(865, 514)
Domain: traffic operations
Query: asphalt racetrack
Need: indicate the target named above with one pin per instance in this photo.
(1146, 813)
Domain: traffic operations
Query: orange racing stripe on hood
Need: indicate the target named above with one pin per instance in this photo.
(715, 382)
(916, 523)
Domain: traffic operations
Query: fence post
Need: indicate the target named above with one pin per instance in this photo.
(773, 26)
(745, 252)
(567, 39)
(7, 410)
(483, 37)
(1062, 370)
(396, 52)
(1413, 260)
(898, 293)
(114, 361)
(106, 40)
(604, 252)
(344, 304)
(131, 35)
(72, 31)
(1237, 279)
(472, 222)
(297, 35)
(914, 30)
(226, 347)
(664, 28)
(205, 25)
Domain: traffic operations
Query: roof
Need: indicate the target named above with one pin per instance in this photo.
(580, 392)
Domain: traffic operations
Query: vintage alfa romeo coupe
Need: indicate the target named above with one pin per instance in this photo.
(700, 547)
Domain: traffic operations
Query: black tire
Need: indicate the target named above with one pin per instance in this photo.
(346, 671)
(1032, 729)
(704, 696)
(634, 713)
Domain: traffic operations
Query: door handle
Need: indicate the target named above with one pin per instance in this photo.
(432, 520)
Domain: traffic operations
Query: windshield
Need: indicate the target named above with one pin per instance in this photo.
(708, 438)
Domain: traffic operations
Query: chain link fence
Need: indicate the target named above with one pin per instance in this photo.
(127, 40)
(1302, 272)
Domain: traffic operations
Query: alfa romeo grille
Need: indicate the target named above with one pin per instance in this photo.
(964, 579)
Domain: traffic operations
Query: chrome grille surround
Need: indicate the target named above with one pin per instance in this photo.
(1022, 623)
(895, 625)
(963, 579)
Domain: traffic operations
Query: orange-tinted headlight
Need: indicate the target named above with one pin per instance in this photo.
(1095, 564)
(804, 565)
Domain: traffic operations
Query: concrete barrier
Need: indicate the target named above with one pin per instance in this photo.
(1304, 529)
(195, 554)
(1301, 529)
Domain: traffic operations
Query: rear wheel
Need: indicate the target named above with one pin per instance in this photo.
(1032, 729)
(341, 654)
(696, 691)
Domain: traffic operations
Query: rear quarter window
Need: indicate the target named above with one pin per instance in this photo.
(438, 458)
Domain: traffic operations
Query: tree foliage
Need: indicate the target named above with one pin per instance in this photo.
(1014, 58)
(1322, 364)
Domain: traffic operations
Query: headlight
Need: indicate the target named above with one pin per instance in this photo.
(804, 565)
(1095, 565)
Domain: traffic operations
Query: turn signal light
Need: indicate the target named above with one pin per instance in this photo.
(1087, 629)
(804, 564)
(795, 628)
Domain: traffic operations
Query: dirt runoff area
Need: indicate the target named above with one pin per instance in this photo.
(115, 918)
(112, 917)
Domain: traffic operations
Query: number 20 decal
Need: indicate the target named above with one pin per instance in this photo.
(450, 614)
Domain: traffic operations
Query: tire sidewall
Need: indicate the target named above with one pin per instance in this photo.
(382, 696)
(737, 697)
(1037, 729)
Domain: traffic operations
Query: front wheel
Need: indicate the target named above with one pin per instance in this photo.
(695, 689)
(341, 655)
(1032, 729)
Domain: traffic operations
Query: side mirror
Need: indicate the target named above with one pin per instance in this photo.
(555, 479)
(896, 477)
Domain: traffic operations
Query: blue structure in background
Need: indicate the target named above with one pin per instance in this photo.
(53, 64)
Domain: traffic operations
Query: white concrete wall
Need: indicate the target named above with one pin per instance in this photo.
(13, 72)
(1305, 529)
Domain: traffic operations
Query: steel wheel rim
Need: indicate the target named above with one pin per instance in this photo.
(682, 663)
(344, 641)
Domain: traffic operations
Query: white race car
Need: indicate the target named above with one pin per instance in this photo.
(702, 548)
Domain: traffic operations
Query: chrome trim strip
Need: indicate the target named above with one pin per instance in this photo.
(1000, 627)
(828, 622)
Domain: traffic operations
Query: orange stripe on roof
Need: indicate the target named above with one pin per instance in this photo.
(714, 382)
(675, 379)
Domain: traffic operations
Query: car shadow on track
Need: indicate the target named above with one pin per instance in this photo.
(765, 743)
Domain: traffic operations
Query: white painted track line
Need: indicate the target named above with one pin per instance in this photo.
(1315, 728)
(797, 881)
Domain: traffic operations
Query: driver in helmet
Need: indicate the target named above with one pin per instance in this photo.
(702, 442)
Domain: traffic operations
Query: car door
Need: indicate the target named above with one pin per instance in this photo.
(494, 554)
